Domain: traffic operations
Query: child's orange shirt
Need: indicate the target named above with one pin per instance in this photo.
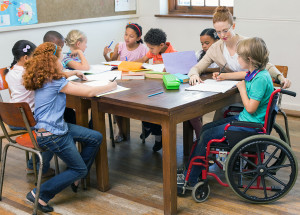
(158, 57)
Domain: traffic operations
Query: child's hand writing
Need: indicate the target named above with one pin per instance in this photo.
(106, 50)
(218, 77)
(80, 75)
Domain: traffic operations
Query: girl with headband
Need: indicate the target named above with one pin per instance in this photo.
(130, 50)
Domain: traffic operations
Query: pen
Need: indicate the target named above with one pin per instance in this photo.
(110, 44)
(155, 94)
(222, 68)
(126, 58)
(114, 79)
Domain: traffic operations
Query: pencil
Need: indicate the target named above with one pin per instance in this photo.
(222, 68)
(113, 79)
(110, 44)
(154, 94)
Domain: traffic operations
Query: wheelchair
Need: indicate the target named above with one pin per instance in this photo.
(259, 167)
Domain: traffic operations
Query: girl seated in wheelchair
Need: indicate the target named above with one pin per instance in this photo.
(255, 92)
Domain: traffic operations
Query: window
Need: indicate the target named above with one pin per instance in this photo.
(201, 7)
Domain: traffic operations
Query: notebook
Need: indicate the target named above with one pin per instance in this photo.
(211, 85)
(179, 62)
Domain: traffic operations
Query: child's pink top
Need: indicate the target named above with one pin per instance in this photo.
(138, 53)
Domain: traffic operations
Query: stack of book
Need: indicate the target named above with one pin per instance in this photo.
(155, 74)
(134, 74)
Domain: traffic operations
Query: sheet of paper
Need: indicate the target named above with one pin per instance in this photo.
(211, 85)
(119, 89)
(104, 76)
(154, 67)
(179, 62)
(103, 83)
(125, 5)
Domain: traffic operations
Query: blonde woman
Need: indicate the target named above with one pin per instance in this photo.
(75, 58)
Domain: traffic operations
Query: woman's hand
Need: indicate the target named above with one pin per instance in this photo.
(285, 83)
(106, 50)
(195, 79)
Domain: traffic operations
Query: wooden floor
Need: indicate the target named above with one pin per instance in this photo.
(136, 184)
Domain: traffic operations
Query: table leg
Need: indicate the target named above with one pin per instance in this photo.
(126, 128)
(187, 138)
(81, 108)
(101, 158)
(169, 166)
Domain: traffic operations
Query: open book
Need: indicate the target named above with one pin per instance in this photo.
(211, 85)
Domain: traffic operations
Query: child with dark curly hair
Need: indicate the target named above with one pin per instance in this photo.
(44, 75)
(156, 40)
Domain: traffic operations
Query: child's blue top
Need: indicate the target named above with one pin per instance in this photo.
(67, 58)
(260, 89)
(50, 106)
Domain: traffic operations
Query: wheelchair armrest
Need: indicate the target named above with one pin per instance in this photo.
(246, 124)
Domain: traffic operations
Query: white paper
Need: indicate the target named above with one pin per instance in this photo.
(119, 89)
(125, 5)
(103, 83)
(211, 85)
(104, 76)
(154, 67)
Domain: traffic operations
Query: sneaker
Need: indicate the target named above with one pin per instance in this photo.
(43, 208)
(29, 171)
(180, 179)
(147, 133)
(157, 146)
(118, 139)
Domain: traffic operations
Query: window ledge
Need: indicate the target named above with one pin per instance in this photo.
(185, 16)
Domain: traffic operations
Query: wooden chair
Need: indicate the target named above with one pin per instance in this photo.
(284, 72)
(20, 115)
(10, 132)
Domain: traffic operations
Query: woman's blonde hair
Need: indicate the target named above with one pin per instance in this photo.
(43, 67)
(254, 51)
(74, 36)
(222, 14)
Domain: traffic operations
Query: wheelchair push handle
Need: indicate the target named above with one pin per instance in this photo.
(290, 93)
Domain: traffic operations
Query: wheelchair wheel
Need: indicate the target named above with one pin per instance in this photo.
(255, 180)
(201, 192)
(277, 132)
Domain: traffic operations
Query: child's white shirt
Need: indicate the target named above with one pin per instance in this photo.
(14, 80)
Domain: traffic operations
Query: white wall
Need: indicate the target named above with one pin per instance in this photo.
(99, 35)
(279, 27)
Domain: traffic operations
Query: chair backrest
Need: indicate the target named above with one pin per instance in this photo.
(17, 114)
(284, 72)
(271, 112)
(3, 83)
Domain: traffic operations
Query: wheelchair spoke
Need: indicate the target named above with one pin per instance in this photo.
(271, 156)
(248, 161)
(278, 167)
(258, 154)
(267, 153)
(276, 179)
(244, 173)
(264, 186)
(250, 184)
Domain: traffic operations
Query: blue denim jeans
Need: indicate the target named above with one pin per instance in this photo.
(78, 164)
(47, 155)
(213, 130)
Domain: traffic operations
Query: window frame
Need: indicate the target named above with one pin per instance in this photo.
(200, 10)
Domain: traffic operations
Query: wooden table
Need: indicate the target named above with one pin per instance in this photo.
(166, 109)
